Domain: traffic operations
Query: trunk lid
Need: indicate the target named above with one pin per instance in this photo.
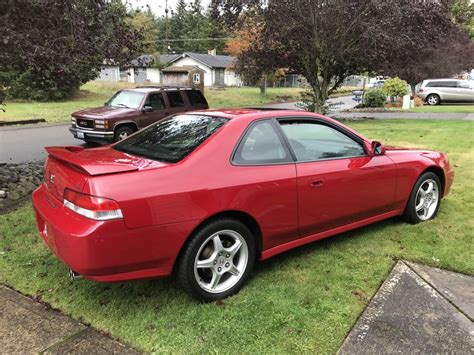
(72, 167)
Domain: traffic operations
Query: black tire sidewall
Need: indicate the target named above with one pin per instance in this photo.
(120, 130)
(186, 264)
(410, 210)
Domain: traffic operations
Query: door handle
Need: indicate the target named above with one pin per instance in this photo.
(316, 183)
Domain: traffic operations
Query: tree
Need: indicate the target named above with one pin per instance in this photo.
(51, 47)
(462, 12)
(144, 22)
(326, 41)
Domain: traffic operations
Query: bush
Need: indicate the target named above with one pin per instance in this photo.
(375, 98)
(395, 87)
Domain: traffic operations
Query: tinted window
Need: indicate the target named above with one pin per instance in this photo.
(175, 98)
(130, 99)
(442, 84)
(171, 140)
(196, 98)
(314, 141)
(156, 101)
(261, 145)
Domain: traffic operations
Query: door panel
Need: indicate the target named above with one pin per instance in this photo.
(334, 193)
(156, 101)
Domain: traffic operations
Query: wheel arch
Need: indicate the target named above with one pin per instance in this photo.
(248, 220)
(130, 124)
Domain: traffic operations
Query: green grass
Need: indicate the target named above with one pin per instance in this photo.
(95, 94)
(303, 301)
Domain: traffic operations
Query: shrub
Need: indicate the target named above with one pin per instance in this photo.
(375, 98)
(395, 87)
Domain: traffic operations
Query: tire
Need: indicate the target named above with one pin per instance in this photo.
(223, 268)
(122, 132)
(423, 203)
(433, 99)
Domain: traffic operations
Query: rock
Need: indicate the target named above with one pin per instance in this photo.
(13, 195)
(3, 194)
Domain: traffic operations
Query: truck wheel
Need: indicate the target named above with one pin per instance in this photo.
(122, 133)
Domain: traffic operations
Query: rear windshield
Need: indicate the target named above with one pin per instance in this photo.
(172, 139)
(128, 99)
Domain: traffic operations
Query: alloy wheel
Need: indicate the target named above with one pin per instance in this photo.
(433, 100)
(221, 261)
(427, 199)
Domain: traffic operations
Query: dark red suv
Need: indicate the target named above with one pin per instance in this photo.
(132, 109)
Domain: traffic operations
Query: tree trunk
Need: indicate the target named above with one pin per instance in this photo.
(413, 90)
(263, 85)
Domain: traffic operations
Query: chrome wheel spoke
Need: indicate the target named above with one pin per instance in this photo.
(234, 248)
(217, 242)
(430, 187)
(420, 205)
(216, 277)
(234, 271)
(205, 264)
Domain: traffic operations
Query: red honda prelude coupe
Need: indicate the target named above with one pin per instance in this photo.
(206, 193)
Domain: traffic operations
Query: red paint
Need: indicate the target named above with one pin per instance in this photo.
(162, 204)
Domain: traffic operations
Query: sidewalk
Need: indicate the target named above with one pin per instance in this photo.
(29, 327)
(418, 309)
(407, 115)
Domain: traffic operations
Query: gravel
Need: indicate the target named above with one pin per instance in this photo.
(17, 182)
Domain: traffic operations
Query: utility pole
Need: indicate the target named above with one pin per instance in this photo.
(167, 34)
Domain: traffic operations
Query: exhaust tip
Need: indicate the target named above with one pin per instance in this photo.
(74, 275)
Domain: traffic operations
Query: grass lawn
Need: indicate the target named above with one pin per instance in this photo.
(95, 94)
(303, 301)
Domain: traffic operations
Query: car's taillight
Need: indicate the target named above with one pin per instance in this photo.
(93, 207)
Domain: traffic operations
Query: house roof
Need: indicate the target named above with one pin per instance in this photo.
(211, 61)
(145, 60)
(180, 69)
(167, 58)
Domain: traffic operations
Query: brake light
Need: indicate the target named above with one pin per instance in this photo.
(93, 207)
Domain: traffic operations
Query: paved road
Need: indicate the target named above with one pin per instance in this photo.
(21, 144)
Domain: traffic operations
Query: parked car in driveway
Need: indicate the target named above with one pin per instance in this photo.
(436, 91)
(133, 109)
(205, 194)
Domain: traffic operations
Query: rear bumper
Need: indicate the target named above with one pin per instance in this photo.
(93, 136)
(107, 250)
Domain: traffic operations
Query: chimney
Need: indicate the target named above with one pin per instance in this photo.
(211, 51)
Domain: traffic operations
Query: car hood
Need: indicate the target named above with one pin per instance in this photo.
(104, 112)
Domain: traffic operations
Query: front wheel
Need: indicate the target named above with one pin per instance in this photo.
(217, 261)
(424, 200)
(122, 133)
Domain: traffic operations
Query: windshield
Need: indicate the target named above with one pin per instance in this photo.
(128, 99)
(172, 139)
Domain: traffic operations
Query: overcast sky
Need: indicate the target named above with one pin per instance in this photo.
(158, 6)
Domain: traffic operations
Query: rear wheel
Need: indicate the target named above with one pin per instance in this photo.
(433, 99)
(122, 132)
(217, 261)
(424, 200)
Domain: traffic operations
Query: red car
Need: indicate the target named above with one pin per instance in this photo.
(206, 193)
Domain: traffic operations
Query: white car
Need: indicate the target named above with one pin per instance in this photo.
(435, 91)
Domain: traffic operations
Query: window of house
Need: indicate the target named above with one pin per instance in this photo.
(196, 78)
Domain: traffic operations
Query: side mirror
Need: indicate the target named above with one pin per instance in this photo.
(147, 109)
(378, 148)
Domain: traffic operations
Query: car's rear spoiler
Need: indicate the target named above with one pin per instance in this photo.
(69, 155)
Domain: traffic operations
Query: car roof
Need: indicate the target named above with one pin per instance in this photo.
(254, 113)
(147, 89)
(450, 79)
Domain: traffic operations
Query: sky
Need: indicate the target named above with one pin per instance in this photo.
(158, 6)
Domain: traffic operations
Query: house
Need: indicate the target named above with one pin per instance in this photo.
(219, 70)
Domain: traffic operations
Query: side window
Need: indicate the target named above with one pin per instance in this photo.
(196, 98)
(261, 145)
(156, 101)
(313, 141)
(175, 98)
